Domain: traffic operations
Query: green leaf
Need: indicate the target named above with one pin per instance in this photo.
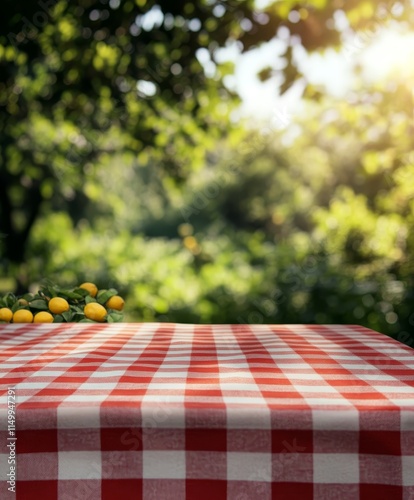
(114, 317)
(86, 320)
(16, 306)
(10, 300)
(81, 291)
(77, 317)
(104, 295)
(58, 318)
(39, 304)
(49, 290)
(77, 309)
(67, 316)
(74, 296)
(89, 299)
(101, 292)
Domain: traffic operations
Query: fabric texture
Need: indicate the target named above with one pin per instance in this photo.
(175, 411)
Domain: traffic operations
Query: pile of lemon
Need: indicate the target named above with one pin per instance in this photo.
(52, 304)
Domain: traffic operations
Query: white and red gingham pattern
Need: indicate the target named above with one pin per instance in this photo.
(174, 411)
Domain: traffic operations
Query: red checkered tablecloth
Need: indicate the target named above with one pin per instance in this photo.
(173, 411)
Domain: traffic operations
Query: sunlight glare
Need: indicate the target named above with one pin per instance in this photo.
(390, 56)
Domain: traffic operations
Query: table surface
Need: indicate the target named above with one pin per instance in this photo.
(161, 411)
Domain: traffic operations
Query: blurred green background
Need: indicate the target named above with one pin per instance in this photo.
(125, 161)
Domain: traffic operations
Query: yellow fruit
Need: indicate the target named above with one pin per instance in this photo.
(116, 302)
(6, 314)
(95, 311)
(22, 302)
(57, 305)
(91, 287)
(43, 317)
(22, 316)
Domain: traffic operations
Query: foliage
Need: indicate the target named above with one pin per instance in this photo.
(80, 81)
(119, 161)
(300, 234)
